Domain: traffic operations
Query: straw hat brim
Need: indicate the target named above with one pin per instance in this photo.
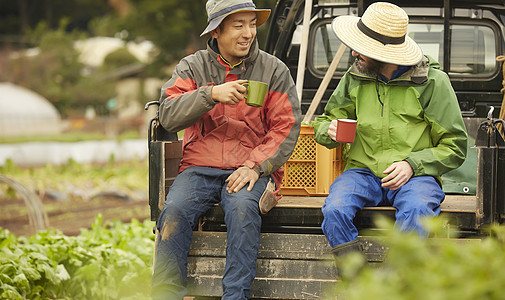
(407, 53)
(261, 17)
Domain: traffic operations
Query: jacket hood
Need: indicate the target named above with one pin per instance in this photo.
(432, 62)
(416, 75)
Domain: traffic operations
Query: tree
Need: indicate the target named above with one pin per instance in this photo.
(174, 26)
(17, 17)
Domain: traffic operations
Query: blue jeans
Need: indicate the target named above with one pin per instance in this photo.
(358, 188)
(193, 192)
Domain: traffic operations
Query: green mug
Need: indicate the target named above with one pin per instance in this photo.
(256, 92)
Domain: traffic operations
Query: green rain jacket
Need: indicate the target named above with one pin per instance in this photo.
(418, 121)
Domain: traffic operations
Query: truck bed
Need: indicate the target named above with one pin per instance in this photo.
(294, 261)
(302, 214)
(451, 204)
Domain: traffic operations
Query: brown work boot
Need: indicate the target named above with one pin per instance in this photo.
(349, 265)
(346, 248)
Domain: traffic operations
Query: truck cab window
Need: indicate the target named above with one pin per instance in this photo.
(323, 44)
(326, 45)
(473, 48)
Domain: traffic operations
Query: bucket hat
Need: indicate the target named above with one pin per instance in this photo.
(380, 34)
(217, 10)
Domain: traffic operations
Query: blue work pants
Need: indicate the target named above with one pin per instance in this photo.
(358, 188)
(193, 192)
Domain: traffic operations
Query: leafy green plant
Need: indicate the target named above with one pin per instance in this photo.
(440, 267)
(110, 261)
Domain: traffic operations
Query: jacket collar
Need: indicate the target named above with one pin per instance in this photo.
(416, 75)
(249, 58)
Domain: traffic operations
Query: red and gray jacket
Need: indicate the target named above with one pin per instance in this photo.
(230, 136)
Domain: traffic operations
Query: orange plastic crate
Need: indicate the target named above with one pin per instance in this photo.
(312, 168)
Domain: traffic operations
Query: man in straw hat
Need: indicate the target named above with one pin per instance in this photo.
(232, 152)
(409, 126)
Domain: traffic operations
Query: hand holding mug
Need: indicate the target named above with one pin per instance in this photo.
(342, 130)
(229, 92)
(332, 130)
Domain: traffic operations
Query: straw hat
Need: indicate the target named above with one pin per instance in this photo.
(379, 34)
(217, 10)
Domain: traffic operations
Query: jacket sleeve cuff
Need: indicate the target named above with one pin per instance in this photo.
(414, 166)
(322, 137)
(208, 97)
(253, 166)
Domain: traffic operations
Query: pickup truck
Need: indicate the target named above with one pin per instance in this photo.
(294, 261)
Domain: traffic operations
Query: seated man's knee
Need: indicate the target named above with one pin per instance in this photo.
(174, 218)
(242, 209)
(339, 207)
(422, 207)
(242, 213)
(241, 202)
(171, 210)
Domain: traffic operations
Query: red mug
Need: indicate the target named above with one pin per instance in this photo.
(346, 130)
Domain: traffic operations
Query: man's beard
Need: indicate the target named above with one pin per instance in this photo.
(371, 68)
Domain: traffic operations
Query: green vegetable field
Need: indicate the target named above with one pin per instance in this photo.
(112, 260)
(100, 246)
(97, 244)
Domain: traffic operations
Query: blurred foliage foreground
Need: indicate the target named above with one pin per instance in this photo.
(439, 268)
(114, 261)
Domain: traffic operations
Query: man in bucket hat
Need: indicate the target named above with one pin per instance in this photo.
(409, 127)
(232, 152)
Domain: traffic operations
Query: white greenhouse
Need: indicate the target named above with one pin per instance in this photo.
(24, 112)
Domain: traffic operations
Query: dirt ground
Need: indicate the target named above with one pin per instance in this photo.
(70, 216)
